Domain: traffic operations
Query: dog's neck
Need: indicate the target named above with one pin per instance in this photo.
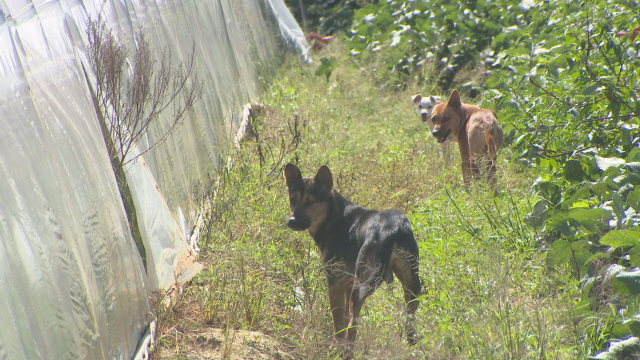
(338, 208)
(465, 113)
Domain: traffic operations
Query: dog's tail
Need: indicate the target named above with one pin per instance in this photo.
(381, 271)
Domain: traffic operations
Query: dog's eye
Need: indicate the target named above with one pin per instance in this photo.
(445, 119)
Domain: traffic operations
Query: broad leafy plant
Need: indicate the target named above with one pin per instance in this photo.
(453, 35)
(567, 95)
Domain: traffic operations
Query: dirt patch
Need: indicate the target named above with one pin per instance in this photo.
(237, 344)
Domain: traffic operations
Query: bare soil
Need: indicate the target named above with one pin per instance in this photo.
(215, 344)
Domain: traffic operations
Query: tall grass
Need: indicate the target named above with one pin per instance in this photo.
(487, 291)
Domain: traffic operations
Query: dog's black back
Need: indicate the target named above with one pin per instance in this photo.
(359, 248)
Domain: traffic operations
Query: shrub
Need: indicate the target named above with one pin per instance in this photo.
(128, 105)
(567, 95)
(451, 35)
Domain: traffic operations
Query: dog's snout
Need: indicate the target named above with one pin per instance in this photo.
(436, 132)
(298, 223)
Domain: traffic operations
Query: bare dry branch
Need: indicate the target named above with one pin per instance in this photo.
(130, 104)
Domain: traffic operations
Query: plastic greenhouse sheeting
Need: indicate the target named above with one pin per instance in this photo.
(72, 283)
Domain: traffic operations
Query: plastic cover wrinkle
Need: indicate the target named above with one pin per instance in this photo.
(72, 284)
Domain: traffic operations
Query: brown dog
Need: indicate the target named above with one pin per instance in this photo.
(359, 248)
(478, 134)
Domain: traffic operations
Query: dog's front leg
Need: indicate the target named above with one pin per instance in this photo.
(339, 290)
(463, 144)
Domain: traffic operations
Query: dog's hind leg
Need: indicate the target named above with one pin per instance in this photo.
(474, 167)
(490, 164)
(405, 266)
(490, 173)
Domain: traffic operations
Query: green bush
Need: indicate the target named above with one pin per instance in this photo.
(567, 94)
(325, 17)
(452, 35)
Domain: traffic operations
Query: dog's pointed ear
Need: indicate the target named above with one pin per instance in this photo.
(454, 100)
(416, 98)
(291, 174)
(434, 99)
(324, 178)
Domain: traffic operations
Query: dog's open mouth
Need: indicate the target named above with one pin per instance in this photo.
(444, 137)
(425, 118)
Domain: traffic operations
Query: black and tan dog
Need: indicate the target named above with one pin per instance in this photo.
(478, 134)
(359, 248)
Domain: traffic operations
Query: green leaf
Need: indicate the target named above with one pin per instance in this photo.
(633, 200)
(598, 256)
(492, 82)
(617, 182)
(326, 67)
(614, 107)
(548, 191)
(620, 331)
(573, 171)
(626, 137)
(605, 355)
(634, 257)
(619, 238)
(538, 215)
(633, 167)
(634, 327)
(617, 205)
(627, 283)
(590, 89)
(592, 219)
(562, 223)
(586, 289)
(634, 155)
(624, 348)
(561, 251)
(605, 163)
(624, 191)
